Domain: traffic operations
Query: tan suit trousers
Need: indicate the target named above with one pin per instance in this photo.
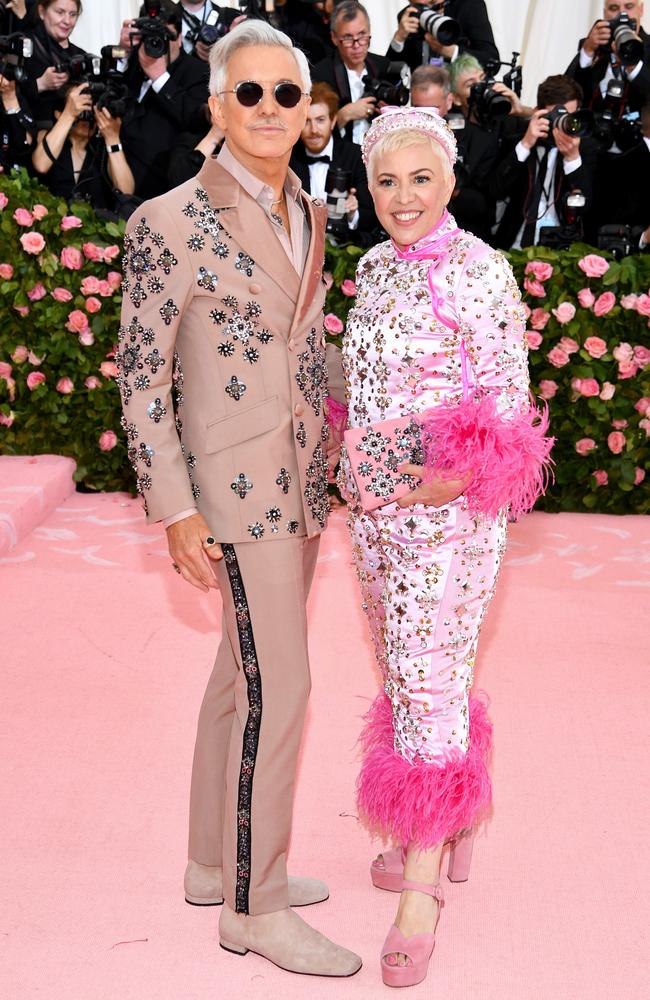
(251, 722)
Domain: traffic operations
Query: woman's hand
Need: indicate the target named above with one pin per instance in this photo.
(17, 7)
(435, 492)
(109, 127)
(51, 80)
(190, 552)
(78, 100)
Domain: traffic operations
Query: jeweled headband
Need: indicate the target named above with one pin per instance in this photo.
(424, 120)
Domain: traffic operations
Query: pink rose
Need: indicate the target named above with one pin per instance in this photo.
(535, 288)
(619, 425)
(333, 324)
(623, 352)
(348, 287)
(20, 354)
(110, 253)
(589, 387)
(585, 445)
(540, 269)
(629, 301)
(539, 318)
(71, 258)
(61, 294)
(627, 369)
(22, 310)
(92, 251)
(601, 477)
(93, 305)
(77, 321)
(607, 390)
(328, 280)
(7, 421)
(569, 345)
(105, 289)
(39, 212)
(547, 388)
(34, 379)
(639, 475)
(641, 356)
(604, 304)
(4, 201)
(642, 405)
(616, 442)
(564, 312)
(92, 382)
(87, 337)
(90, 285)
(65, 386)
(23, 217)
(534, 339)
(32, 242)
(5, 369)
(595, 347)
(586, 298)
(37, 292)
(6, 272)
(643, 305)
(33, 360)
(645, 425)
(70, 222)
(593, 265)
(108, 369)
(107, 440)
(114, 279)
(558, 357)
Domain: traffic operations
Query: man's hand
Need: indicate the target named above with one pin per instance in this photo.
(356, 111)
(538, 127)
(568, 145)
(435, 492)
(189, 550)
(446, 51)
(600, 34)
(203, 51)
(152, 67)
(409, 24)
(351, 203)
(125, 40)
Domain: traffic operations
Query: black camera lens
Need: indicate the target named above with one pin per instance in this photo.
(155, 46)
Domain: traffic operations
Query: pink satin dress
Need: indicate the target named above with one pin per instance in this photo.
(427, 574)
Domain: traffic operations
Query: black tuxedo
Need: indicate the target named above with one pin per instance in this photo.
(151, 128)
(347, 156)
(637, 91)
(517, 182)
(333, 72)
(477, 38)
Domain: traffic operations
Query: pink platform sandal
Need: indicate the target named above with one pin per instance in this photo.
(418, 948)
(388, 873)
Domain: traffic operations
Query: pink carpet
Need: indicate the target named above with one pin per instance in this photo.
(105, 655)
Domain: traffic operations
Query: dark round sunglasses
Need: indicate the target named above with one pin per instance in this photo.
(249, 93)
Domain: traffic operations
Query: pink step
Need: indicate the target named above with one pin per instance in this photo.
(31, 487)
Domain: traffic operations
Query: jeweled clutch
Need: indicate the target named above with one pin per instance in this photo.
(375, 454)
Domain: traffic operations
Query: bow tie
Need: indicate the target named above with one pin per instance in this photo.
(318, 159)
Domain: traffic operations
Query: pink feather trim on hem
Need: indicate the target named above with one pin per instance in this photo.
(507, 456)
(422, 804)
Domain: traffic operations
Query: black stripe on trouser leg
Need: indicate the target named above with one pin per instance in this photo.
(251, 730)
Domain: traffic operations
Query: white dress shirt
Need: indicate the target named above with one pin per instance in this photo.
(357, 88)
(586, 61)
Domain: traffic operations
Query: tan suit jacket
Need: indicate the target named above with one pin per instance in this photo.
(222, 363)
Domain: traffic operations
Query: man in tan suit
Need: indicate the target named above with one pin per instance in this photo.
(222, 375)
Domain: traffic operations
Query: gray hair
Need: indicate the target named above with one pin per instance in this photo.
(347, 11)
(250, 33)
(424, 77)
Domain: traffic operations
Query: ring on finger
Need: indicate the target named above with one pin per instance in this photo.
(210, 540)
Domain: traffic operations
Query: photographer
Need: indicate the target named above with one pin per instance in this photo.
(16, 126)
(169, 91)
(466, 73)
(53, 50)
(544, 167)
(71, 157)
(345, 70)
(417, 47)
(616, 48)
(320, 152)
(623, 193)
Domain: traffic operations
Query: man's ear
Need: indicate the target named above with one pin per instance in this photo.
(216, 111)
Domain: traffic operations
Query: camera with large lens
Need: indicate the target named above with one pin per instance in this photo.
(485, 102)
(576, 124)
(207, 32)
(337, 188)
(434, 21)
(395, 89)
(151, 31)
(612, 125)
(629, 44)
(15, 50)
(103, 80)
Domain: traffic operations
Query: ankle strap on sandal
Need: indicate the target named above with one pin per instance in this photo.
(430, 890)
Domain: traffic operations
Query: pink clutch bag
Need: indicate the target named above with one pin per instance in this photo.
(376, 452)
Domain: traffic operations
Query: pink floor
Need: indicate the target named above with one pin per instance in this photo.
(105, 655)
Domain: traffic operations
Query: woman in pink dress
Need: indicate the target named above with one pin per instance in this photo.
(437, 318)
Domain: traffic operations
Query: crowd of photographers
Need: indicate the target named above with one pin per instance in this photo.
(131, 122)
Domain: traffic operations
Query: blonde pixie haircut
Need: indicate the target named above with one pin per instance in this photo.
(402, 138)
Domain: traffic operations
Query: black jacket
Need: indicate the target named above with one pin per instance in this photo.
(472, 203)
(622, 189)
(47, 52)
(306, 28)
(477, 38)
(152, 126)
(515, 181)
(332, 71)
(637, 91)
(347, 156)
